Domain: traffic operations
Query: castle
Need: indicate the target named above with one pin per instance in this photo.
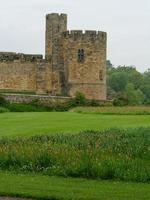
(74, 61)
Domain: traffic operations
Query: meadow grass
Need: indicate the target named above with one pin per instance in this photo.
(57, 188)
(28, 124)
(48, 154)
(126, 110)
(111, 154)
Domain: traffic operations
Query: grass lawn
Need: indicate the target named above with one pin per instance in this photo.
(26, 124)
(57, 188)
(44, 187)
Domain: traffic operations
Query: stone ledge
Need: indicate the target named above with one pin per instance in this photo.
(43, 99)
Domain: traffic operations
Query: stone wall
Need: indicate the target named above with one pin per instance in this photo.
(18, 76)
(44, 78)
(43, 99)
(25, 73)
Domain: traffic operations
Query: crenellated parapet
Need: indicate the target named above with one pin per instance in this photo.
(85, 35)
(52, 16)
(11, 56)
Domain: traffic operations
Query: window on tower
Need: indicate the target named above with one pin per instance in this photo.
(81, 55)
(101, 75)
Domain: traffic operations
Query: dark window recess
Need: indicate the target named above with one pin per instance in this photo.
(81, 55)
(101, 75)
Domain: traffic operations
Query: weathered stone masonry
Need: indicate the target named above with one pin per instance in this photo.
(87, 76)
(74, 61)
(20, 72)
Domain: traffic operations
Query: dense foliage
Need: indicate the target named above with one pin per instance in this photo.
(112, 154)
(127, 86)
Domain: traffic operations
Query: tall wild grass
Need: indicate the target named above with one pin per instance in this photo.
(126, 110)
(112, 154)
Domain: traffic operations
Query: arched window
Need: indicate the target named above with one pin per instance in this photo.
(80, 55)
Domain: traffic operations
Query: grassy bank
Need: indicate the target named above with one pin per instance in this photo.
(27, 124)
(111, 154)
(56, 188)
(126, 110)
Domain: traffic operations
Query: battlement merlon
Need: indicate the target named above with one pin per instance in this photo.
(56, 15)
(88, 34)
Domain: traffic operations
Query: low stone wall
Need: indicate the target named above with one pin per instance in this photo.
(42, 99)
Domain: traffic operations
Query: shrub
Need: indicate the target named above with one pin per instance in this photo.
(78, 100)
(108, 104)
(147, 102)
(2, 101)
(36, 107)
(120, 101)
(93, 102)
(3, 110)
(22, 107)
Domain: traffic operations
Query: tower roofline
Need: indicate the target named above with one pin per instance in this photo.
(100, 35)
(56, 14)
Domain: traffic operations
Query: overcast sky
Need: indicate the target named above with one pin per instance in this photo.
(127, 22)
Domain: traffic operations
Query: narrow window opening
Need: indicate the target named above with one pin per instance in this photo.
(81, 55)
(101, 75)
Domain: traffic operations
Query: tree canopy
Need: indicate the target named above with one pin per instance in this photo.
(125, 85)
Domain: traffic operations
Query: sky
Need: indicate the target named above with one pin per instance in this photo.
(127, 23)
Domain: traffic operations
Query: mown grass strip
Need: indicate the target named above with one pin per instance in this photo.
(56, 188)
(28, 124)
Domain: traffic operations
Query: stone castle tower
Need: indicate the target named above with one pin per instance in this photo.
(74, 61)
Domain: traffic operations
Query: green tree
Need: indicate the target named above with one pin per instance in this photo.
(145, 86)
(117, 81)
(109, 65)
(134, 96)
